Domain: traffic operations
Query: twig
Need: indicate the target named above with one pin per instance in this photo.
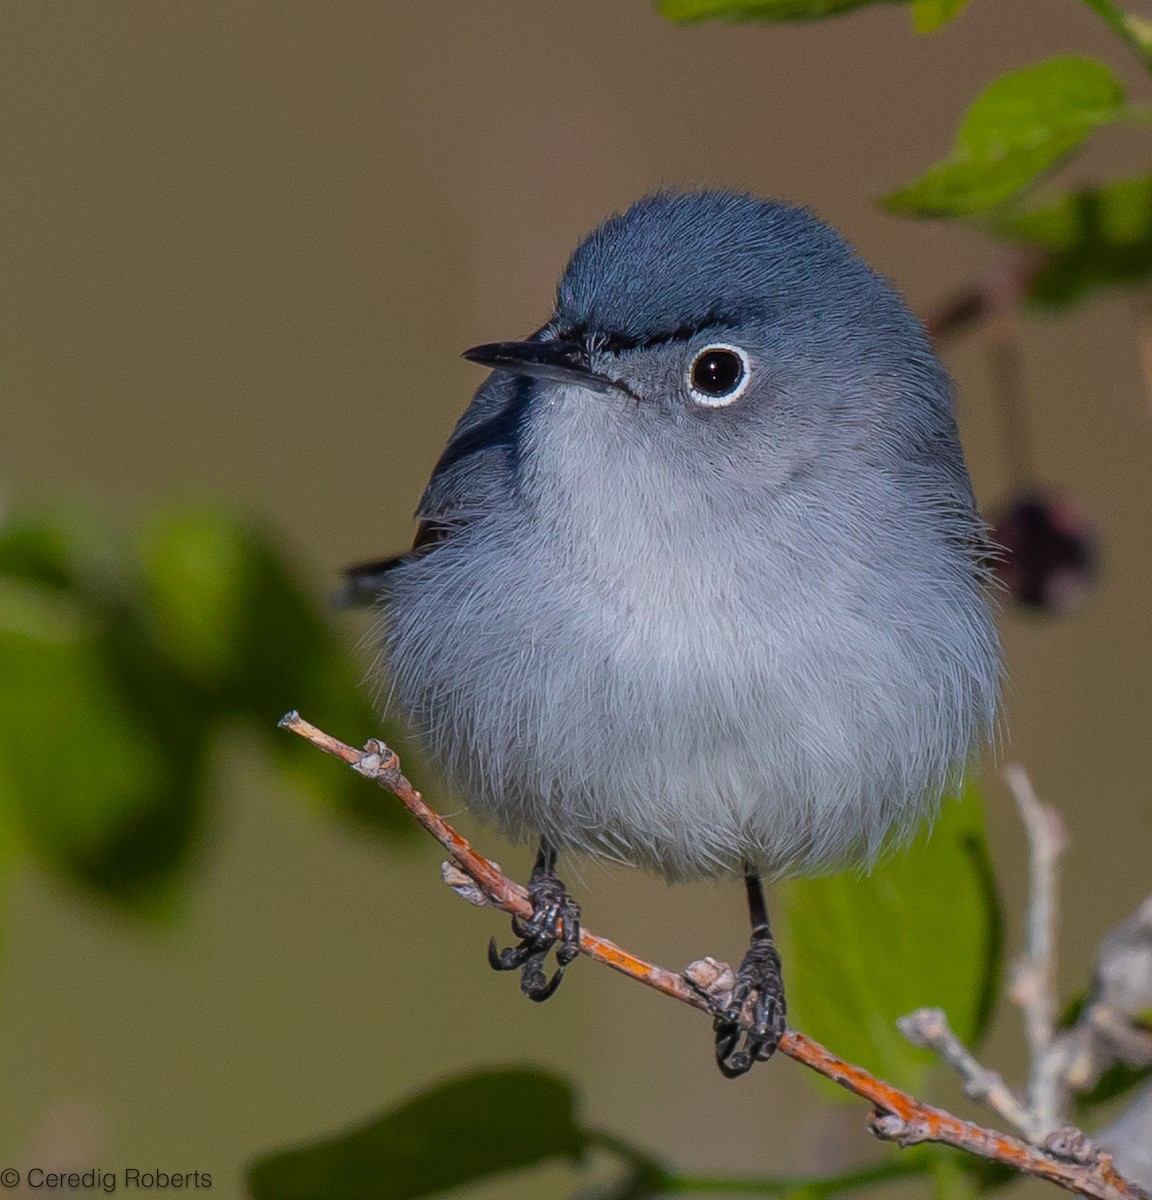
(1043, 1115)
(1033, 983)
(896, 1116)
(1005, 289)
(929, 1028)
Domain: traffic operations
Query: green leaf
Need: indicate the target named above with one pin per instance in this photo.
(116, 667)
(229, 608)
(196, 565)
(1022, 125)
(930, 15)
(65, 549)
(923, 929)
(1094, 238)
(760, 10)
(118, 823)
(101, 794)
(456, 1133)
(12, 840)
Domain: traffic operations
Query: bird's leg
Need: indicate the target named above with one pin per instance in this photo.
(760, 987)
(555, 918)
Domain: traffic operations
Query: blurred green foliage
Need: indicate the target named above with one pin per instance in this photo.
(930, 15)
(122, 657)
(487, 1123)
(456, 1133)
(1091, 239)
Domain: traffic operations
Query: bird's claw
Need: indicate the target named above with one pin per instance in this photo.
(759, 992)
(555, 922)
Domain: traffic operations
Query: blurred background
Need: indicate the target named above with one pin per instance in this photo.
(241, 248)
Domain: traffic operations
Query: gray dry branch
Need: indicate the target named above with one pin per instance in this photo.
(896, 1116)
(1109, 1030)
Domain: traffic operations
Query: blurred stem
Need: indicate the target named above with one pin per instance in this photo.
(1117, 21)
(801, 1188)
(1008, 384)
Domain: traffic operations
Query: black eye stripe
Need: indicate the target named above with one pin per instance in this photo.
(718, 372)
(618, 343)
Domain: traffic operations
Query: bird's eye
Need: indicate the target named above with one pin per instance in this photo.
(718, 375)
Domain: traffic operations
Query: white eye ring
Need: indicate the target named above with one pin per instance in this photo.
(719, 375)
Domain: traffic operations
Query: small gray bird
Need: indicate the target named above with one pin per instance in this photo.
(699, 583)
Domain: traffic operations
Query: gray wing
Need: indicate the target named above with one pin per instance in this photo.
(475, 474)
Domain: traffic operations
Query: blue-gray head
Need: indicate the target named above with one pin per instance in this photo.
(742, 325)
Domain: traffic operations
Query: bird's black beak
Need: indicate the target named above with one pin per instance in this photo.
(563, 362)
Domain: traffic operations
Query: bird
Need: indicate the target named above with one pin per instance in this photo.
(699, 584)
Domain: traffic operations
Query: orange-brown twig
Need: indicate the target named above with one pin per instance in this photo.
(896, 1116)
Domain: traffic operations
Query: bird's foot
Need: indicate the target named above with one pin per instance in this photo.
(555, 921)
(759, 996)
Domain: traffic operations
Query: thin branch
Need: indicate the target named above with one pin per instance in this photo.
(1005, 289)
(1042, 1117)
(1034, 983)
(929, 1028)
(896, 1116)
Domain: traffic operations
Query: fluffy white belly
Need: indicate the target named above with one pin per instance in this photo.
(667, 714)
